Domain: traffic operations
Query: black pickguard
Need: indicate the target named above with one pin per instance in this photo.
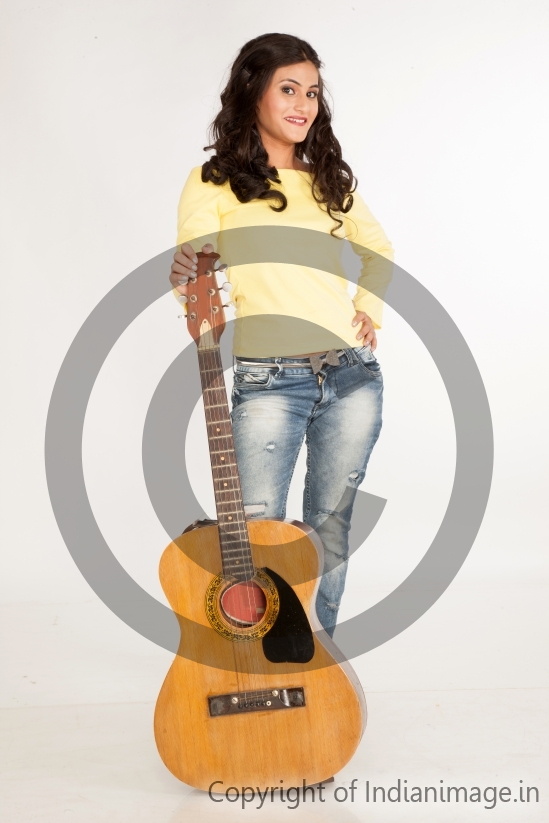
(291, 639)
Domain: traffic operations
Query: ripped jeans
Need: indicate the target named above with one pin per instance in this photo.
(274, 407)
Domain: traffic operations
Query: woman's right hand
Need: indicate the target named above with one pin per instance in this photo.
(184, 266)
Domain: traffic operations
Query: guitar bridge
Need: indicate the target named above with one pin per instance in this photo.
(256, 701)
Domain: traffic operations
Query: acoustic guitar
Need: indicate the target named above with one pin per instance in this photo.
(258, 694)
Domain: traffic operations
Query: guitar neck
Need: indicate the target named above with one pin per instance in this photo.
(233, 532)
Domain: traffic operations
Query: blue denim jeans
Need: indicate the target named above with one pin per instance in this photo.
(275, 407)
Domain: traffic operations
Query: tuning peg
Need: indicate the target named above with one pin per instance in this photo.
(183, 298)
(220, 266)
(227, 286)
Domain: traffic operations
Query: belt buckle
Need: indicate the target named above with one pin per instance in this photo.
(331, 358)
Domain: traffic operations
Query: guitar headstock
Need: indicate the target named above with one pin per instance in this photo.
(205, 315)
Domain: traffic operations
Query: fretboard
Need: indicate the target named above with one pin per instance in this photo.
(233, 534)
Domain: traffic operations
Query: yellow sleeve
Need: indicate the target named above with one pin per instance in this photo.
(198, 215)
(377, 263)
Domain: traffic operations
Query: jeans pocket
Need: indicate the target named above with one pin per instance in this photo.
(245, 379)
(368, 360)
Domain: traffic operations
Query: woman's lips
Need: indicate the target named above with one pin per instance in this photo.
(297, 121)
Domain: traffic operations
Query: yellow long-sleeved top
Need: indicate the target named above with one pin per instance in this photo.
(285, 308)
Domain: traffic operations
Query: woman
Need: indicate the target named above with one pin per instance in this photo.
(304, 362)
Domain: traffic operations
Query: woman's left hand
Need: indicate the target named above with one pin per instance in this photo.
(366, 333)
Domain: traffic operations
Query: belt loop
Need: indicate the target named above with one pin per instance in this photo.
(278, 363)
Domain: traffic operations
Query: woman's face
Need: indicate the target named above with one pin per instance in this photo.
(290, 104)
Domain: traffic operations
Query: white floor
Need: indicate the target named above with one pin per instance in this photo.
(457, 698)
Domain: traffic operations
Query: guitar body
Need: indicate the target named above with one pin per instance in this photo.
(300, 744)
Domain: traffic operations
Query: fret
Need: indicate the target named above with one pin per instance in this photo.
(232, 545)
(243, 557)
(243, 562)
(238, 561)
(233, 533)
(228, 514)
(243, 552)
(241, 572)
(237, 565)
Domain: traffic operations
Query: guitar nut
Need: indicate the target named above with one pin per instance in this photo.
(211, 291)
(192, 315)
(215, 309)
(193, 298)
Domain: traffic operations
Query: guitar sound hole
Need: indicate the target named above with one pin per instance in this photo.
(244, 603)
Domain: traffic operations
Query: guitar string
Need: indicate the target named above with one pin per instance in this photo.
(243, 649)
(228, 447)
(212, 420)
(237, 502)
(216, 384)
(221, 405)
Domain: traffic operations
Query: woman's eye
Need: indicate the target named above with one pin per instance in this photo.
(289, 88)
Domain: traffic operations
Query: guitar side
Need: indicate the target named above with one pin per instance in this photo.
(308, 743)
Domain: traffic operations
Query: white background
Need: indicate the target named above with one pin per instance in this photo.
(440, 110)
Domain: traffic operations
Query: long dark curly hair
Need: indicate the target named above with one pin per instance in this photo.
(240, 155)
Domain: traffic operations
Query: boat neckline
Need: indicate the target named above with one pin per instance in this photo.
(301, 171)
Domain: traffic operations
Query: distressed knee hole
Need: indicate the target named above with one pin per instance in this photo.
(254, 509)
